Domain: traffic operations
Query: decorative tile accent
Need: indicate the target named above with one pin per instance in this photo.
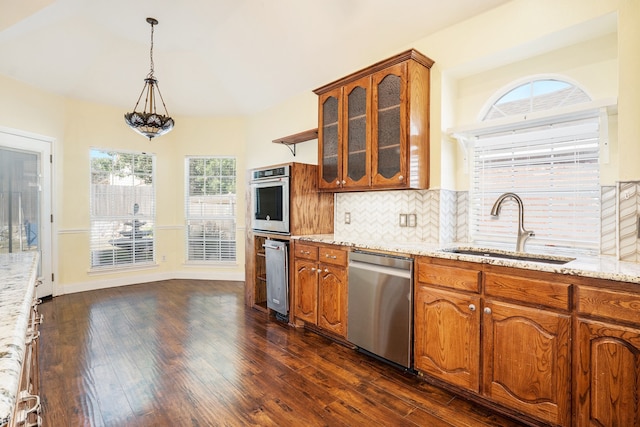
(608, 236)
(375, 215)
(628, 211)
(462, 221)
(448, 216)
(443, 217)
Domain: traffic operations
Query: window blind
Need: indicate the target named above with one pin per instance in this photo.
(122, 208)
(210, 209)
(556, 173)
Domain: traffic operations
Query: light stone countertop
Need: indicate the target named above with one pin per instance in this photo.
(18, 273)
(599, 267)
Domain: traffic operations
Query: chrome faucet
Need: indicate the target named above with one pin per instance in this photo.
(523, 234)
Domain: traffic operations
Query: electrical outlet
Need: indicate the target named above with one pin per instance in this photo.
(164, 258)
(411, 220)
(347, 217)
(403, 220)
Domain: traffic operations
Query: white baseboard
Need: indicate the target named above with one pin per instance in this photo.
(145, 278)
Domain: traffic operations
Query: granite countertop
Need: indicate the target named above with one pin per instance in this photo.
(599, 267)
(18, 273)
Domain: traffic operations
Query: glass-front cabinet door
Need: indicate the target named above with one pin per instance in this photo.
(389, 127)
(356, 134)
(329, 155)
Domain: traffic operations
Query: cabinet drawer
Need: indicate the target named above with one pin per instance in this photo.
(613, 304)
(306, 251)
(530, 291)
(332, 256)
(449, 277)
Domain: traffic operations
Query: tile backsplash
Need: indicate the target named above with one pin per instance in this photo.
(442, 217)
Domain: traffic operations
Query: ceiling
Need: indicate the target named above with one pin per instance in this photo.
(212, 57)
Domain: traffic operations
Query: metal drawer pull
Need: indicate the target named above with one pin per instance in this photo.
(332, 257)
(472, 307)
(304, 252)
(487, 310)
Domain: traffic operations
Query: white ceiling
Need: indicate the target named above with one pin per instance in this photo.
(212, 57)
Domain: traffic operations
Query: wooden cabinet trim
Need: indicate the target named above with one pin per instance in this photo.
(613, 304)
(447, 276)
(528, 291)
(381, 65)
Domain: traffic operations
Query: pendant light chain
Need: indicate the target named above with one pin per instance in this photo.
(150, 75)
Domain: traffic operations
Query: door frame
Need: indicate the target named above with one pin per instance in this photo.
(14, 139)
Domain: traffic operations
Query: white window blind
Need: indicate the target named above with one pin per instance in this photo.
(122, 208)
(210, 209)
(554, 170)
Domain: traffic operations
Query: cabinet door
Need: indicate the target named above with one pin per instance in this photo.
(526, 360)
(306, 290)
(332, 299)
(447, 336)
(356, 138)
(389, 141)
(608, 375)
(329, 134)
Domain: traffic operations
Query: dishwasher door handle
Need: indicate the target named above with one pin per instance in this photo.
(398, 272)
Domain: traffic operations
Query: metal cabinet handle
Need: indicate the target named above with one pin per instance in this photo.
(304, 252)
(313, 269)
(472, 307)
(338, 182)
(344, 182)
(400, 178)
(487, 310)
(326, 270)
(331, 256)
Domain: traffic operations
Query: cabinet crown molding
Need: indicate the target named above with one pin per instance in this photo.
(381, 65)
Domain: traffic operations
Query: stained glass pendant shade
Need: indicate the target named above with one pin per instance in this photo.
(148, 122)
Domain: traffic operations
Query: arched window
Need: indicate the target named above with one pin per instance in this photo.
(552, 164)
(534, 96)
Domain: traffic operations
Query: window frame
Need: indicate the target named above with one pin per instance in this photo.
(209, 220)
(148, 255)
(521, 122)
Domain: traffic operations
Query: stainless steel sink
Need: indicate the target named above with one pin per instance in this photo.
(518, 256)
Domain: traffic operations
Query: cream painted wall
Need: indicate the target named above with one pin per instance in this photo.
(495, 44)
(295, 115)
(73, 125)
(510, 38)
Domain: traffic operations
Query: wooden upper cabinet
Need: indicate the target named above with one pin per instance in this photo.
(389, 127)
(356, 134)
(329, 132)
(373, 130)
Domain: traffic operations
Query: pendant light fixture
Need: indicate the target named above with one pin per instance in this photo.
(148, 122)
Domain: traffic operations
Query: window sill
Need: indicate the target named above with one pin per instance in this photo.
(122, 269)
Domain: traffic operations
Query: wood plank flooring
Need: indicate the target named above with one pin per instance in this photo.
(188, 353)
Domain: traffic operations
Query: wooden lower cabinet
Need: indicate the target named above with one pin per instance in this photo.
(608, 375)
(452, 357)
(332, 299)
(320, 286)
(607, 356)
(496, 333)
(526, 360)
(306, 293)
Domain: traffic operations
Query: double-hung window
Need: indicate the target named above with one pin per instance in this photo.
(210, 209)
(122, 206)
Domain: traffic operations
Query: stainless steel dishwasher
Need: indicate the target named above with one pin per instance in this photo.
(381, 305)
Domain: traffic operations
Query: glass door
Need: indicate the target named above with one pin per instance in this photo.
(25, 201)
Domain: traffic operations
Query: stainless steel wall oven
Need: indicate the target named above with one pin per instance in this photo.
(270, 199)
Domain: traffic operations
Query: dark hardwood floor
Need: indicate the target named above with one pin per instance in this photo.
(188, 353)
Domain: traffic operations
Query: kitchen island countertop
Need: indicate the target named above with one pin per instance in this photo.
(599, 267)
(17, 287)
